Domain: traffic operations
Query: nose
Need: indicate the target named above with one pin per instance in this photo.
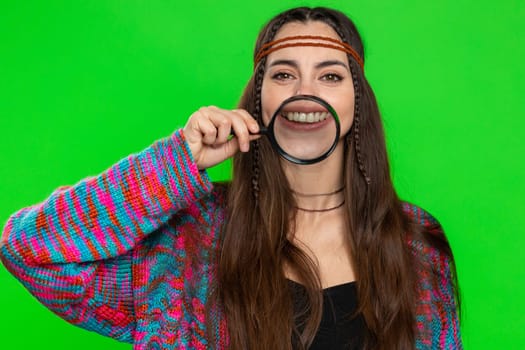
(305, 87)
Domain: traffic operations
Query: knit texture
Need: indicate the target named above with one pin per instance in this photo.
(129, 254)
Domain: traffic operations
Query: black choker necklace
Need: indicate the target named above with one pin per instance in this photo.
(321, 210)
(319, 194)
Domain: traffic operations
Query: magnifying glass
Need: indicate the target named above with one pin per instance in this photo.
(304, 129)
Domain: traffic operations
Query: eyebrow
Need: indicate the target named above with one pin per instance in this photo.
(319, 65)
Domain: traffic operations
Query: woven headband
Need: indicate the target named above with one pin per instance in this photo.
(306, 40)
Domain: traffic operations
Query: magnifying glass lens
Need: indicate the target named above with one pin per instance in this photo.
(305, 130)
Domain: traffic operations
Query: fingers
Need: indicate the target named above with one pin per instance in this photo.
(251, 123)
(246, 129)
(224, 122)
(241, 130)
(209, 130)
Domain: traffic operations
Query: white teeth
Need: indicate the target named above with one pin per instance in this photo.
(302, 117)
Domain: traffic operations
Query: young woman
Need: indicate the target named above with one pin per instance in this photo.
(286, 256)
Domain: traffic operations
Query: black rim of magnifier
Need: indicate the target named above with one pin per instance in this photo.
(269, 130)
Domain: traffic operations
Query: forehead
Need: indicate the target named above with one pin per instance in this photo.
(309, 28)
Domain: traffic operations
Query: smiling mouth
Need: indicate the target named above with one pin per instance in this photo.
(302, 117)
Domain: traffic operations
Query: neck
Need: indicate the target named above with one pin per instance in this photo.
(314, 185)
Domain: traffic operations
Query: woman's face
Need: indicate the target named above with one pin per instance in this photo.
(308, 70)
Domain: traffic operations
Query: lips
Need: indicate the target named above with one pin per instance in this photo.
(305, 117)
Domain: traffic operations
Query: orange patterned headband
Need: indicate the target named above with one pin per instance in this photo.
(305, 40)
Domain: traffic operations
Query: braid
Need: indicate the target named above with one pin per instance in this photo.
(256, 145)
(357, 108)
(357, 124)
(259, 75)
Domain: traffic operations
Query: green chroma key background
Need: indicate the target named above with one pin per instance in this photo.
(85, 83)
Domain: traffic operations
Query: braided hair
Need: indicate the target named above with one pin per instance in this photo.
(257, 113)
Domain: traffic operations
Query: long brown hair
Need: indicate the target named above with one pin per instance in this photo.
(252, 289)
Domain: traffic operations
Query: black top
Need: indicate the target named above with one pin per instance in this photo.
(338, 329)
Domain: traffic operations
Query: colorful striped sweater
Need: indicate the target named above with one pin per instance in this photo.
(127, 254)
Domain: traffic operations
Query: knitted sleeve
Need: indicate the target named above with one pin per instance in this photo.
(73, 251)
(445, 308)
(437, 313)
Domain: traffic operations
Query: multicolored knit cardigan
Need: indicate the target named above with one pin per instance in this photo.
(127, 254)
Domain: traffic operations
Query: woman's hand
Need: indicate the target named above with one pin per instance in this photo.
(208, 134)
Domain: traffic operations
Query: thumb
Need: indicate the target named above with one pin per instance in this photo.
(230, 148)
(218, 153)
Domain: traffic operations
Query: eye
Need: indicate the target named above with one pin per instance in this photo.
(282, 76)
(332, 77)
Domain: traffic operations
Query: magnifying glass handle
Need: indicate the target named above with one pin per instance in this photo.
(262, 131)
